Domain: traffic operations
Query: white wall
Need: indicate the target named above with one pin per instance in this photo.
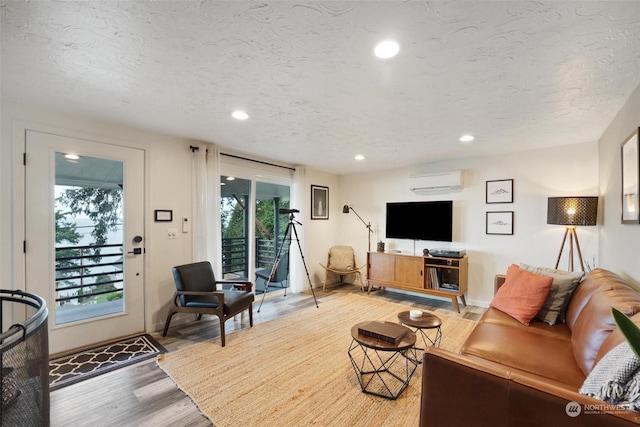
(619, 243)
(168, 181)
(570, 170)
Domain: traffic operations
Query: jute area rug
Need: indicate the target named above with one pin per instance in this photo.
(295, 371)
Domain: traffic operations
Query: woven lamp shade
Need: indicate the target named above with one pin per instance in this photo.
(572, 210)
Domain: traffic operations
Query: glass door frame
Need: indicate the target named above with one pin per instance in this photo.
(37, 188)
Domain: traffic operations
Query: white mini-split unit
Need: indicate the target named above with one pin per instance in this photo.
(437, 181)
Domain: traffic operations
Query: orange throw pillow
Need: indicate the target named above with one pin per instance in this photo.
(522, 294)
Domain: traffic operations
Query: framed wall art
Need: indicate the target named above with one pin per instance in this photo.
(500, 222)
(500, 191)
(630, 179)
(319, 202)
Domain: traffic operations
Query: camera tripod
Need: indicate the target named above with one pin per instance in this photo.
(291, 228)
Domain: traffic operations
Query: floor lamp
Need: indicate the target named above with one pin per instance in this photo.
(346, 208)
(571, 212)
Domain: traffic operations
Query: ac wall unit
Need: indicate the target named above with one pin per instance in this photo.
(438, 181)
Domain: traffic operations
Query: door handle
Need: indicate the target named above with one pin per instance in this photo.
(136, 251)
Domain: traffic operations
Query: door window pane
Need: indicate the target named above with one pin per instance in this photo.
(88, 238)
(270, 228)
(234, 211)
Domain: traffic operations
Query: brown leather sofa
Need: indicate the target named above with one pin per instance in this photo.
(508, 374)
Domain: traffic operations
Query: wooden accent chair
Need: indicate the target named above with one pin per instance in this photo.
(278, 274)
(197, 292)
(341, 261)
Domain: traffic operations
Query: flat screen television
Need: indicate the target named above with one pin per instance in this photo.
(420, 221)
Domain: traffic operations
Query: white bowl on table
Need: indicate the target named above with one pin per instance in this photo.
(415, 314)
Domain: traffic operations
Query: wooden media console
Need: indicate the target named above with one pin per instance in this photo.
(440, 276)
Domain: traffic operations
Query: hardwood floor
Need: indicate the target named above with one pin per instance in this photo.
(143, 395)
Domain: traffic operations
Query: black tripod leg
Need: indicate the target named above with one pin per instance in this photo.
(287, 232)
(305, 265)
(288, 264)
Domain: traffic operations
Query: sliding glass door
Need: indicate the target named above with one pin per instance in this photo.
(271, 226)
(252, 226)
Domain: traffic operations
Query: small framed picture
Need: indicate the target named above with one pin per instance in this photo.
(500, 191)
(500, 222)
(630, 179)
(319, 202)
(161, 215)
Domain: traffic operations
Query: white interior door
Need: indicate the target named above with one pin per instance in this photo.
(84, 237)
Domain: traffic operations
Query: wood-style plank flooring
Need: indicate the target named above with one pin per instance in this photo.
(143, 395)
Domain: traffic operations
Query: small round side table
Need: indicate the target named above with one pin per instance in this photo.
(424, 325)
(384, 369)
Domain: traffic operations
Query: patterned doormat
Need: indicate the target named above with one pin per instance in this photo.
(86, 364)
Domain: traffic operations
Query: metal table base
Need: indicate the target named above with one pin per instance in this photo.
(383, 370)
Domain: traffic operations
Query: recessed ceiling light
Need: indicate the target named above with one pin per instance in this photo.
(467, 138)
(240, 115)
(71, 156)
(387, 49)
(359, 157)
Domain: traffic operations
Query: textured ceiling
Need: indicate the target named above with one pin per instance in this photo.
(516, 74)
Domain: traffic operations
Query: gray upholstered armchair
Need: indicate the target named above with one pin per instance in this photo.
(197, 293)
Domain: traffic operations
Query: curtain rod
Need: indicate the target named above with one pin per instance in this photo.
(193, 149)
(257, 161)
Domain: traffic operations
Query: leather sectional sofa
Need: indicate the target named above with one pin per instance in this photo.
(509, 374)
